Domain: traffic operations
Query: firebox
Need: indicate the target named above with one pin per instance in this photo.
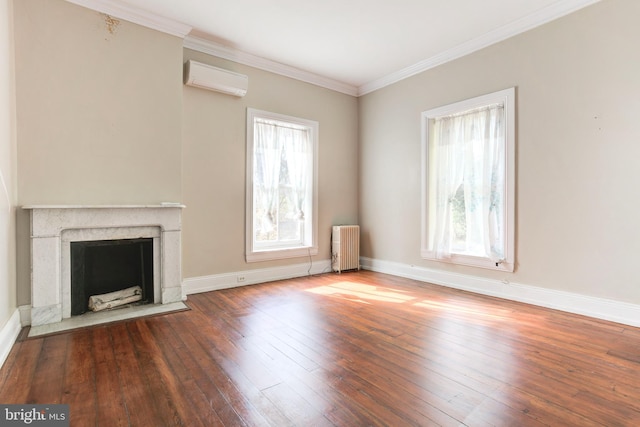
(105, 266)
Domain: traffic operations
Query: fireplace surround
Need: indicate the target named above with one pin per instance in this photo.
(55, 227)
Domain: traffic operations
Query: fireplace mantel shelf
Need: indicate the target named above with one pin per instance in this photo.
(161, 205)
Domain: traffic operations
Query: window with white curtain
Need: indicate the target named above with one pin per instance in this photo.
(468, 182)
(281, 186)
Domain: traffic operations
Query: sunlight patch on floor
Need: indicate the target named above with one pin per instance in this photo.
(459, 308)
(367, 294)
(362, 292)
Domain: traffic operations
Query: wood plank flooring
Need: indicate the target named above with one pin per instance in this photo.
(356, 349)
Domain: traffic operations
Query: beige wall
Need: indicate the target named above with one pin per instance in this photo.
(214, 150)
(99, 112)
(8, 197)
(578, 103)
(99, 108)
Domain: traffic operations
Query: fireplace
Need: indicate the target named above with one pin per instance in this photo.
(57, 230)
(108, 267)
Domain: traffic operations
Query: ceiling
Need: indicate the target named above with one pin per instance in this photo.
(356, 45)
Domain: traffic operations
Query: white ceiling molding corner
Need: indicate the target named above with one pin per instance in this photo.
(543, 16)
(212, 48)
(146, 19)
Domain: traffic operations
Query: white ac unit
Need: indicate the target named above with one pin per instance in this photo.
(213, 78)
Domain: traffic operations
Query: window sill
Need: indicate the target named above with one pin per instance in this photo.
(472, 261)
(273, 254)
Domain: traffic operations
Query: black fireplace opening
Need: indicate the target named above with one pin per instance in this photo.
(104, 266)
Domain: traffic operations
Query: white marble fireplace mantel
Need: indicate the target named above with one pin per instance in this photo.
(54, 227)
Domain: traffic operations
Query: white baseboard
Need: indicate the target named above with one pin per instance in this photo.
(615, 311)
(234, 279)
(8, 335)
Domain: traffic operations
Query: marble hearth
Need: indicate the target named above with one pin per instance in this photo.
(53, 228)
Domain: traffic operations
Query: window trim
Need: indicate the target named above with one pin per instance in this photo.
(507, 98)
(310, 247)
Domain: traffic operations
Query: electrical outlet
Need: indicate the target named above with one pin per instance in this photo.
(240, 279)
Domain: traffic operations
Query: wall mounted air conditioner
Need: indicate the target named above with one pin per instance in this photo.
(213, 78)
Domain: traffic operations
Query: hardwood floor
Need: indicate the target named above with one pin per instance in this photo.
(357, 349)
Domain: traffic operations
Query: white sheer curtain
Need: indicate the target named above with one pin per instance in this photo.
(267, 158)
(494, 189)
(469, 157)
(297, 150)
(449, 170)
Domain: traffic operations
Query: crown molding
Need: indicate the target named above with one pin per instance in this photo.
(165, 25)
(543, 16)
(212, 48)
(137, 16)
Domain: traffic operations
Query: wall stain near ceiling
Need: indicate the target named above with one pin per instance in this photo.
(111, 22)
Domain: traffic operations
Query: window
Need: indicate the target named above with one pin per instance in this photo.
(281, 186)
(468, 182)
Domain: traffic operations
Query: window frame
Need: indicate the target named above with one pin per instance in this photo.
(309, 247)
(507, 98)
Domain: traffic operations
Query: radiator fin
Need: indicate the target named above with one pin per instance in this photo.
(345, 248)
